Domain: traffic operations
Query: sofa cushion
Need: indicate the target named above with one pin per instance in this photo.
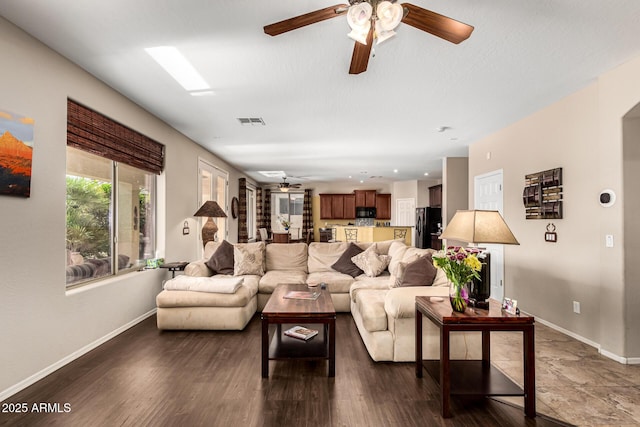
(420, 272)
(210, 248)
(345, 265)
(218, 284)
(273, 278)
(370, 262)
(287, 256)
(240, 298)
(401, 302)
(382, 247)
(336, 282)
(363, 282)
(248, 258)
(322, 255)
(221, 261)
(370, 305)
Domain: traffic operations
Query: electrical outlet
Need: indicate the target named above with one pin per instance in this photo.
(576, 307)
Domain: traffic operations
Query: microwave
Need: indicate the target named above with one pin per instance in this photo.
(362, 212)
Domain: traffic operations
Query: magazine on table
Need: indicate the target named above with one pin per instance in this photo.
(302, 295)
(301, 332)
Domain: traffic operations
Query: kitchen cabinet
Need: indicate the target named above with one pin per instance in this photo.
(337, 206)
(366, 198)
(383, 206)
(325, 206)
(349, 206)
(435, 196)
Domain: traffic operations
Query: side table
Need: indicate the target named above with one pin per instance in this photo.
(475, 377)
(174, 266)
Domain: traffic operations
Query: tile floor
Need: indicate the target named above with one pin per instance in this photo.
(573, 382)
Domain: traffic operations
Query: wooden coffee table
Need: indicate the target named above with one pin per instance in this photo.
(285, 313)
(475, 377)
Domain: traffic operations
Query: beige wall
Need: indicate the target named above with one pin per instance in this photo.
(455, 186)
(581, 133)
(43, 326)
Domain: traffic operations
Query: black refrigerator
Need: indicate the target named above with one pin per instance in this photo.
(427, 220)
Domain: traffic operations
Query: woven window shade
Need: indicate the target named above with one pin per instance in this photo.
(91, 131)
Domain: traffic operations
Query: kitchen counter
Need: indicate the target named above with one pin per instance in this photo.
(374, 233)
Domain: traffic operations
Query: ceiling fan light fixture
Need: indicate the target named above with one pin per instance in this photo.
(389, 15)
(359, 19)
(382, 34)
(284, 189)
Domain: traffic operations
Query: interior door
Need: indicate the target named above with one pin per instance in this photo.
(488, 196)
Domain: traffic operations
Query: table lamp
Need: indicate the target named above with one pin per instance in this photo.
(212, 210)
(479, 226)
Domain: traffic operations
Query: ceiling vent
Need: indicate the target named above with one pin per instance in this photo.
(251, 121)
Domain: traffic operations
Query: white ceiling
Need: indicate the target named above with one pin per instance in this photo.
(321, 122)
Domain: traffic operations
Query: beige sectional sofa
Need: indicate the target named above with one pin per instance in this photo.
(384, 314)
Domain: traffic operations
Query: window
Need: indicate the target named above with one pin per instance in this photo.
(111, 196)
(288, 206)
(98, 211)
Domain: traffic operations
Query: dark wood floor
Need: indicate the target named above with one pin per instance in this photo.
(145, 377)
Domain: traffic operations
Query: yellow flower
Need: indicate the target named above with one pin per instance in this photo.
(473, 262)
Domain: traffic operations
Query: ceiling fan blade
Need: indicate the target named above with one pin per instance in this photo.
(306, 19)
(361, 53)
(436, 24)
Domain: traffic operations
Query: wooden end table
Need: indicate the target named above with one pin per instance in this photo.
(475, 377)
(290, 312)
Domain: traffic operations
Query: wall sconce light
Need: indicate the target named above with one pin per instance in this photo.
(185, 228)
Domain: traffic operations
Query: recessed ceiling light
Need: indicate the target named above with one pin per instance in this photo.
(395, 171)
(426, 174)
(361, 181)
(178, 67)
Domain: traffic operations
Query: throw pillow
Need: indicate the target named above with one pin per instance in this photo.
(420, 272)
(221, 261)
(248, 259)
(370, 262)
(344, 263)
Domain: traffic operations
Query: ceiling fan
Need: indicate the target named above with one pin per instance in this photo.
(284, 186)
(377, 19)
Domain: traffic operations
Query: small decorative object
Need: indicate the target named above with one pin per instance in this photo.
(234, 207)
(185, 228)
(551, 235)
(16, 152)
(510, 306)
(285, 223)
(460, 265)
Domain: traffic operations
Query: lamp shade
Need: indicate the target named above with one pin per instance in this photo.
(479, 226)
(211, 209)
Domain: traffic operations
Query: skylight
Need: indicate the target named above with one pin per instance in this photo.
(178, 67)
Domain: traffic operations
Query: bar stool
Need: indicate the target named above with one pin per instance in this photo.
(399, 233)
(351, 235)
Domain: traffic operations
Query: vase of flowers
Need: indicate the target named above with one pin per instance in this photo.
(461, 265)
(285, 223)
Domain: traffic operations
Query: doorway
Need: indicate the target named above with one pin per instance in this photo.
(488, 196)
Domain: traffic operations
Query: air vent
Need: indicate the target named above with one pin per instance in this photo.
(251, 121)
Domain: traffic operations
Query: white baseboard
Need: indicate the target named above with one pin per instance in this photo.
(605, 353)
(70, 358)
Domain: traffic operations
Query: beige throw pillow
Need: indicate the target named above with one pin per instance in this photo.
(248, 259)
(370, 262)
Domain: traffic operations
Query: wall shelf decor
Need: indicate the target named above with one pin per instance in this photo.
(542, 194)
